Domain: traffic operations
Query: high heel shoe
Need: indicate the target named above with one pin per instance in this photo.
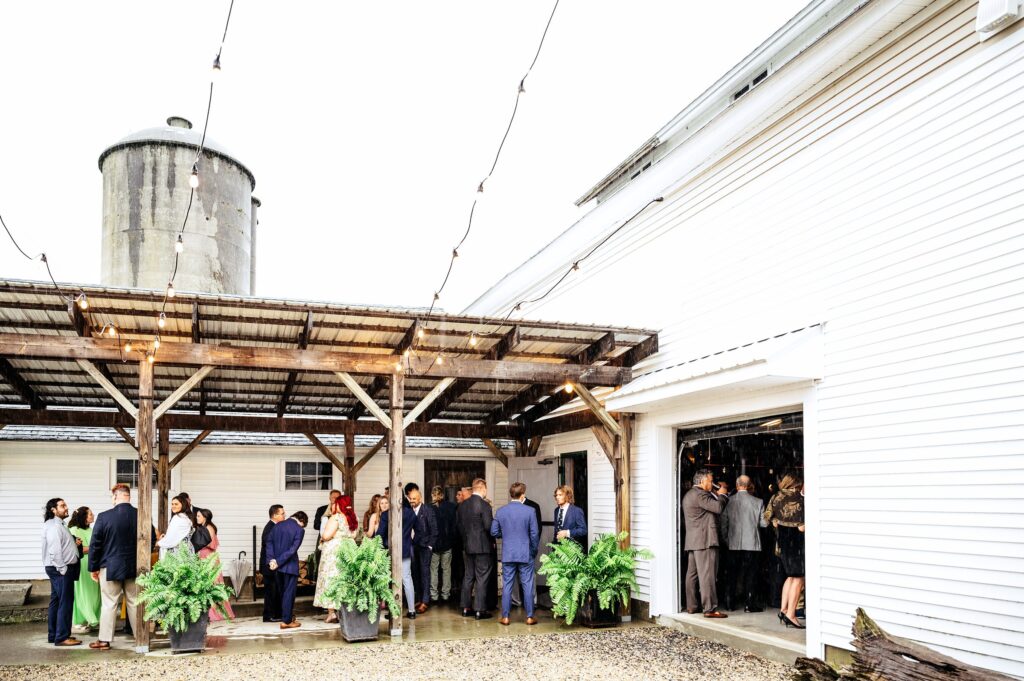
(790, 623)
(782, 617)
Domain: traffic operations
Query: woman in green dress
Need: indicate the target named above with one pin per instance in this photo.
(86, 613)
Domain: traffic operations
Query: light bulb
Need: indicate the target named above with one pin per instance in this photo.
(150, 358)
(440, 359)
(472, 339)
(113, 330)
(179, 245)
(83, 302)
(455, 252)
(156, 343)
(421, 333)
(398, 366)
(405, 353)
(162, 320)
(193, 179)
(437, 296)
(568, 387)
(170, 289)
(128, 346)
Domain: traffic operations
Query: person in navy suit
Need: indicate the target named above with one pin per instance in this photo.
(516, 525)
(569, 520)
(408, 525)
(424, 539)
(283, 552)
(112, 561)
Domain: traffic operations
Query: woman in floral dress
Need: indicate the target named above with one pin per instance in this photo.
(341, 524)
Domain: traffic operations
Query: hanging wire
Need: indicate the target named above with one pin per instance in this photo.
(480, 188)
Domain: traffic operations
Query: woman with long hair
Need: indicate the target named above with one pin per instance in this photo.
(371, 519)
(86, 612)
(183, 523)
(204, 518)
(341, 524)
(785, 512)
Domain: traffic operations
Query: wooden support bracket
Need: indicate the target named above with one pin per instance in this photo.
(126, 437)
(369, 455)
(364, 397)
(427, 400)
(182, 390)
(496, 450)
(328, 454)
(118, 396)
(189, 447)
(588, 398)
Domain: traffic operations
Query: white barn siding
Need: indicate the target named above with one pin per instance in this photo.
(884, 201)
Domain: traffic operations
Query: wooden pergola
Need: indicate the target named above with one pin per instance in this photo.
(227, 363)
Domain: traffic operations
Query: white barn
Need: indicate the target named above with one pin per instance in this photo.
(839, 239)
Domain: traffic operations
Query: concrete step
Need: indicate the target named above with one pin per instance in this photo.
(757, 633)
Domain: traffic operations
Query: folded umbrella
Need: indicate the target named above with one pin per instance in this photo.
(238, 571)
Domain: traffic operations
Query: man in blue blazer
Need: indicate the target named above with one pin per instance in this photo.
(516, 525)
(112, 561)
(283, 552)
(569, 520)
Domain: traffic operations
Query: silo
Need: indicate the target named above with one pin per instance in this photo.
(145, 196)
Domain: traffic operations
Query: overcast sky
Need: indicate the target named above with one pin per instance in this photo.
(367, 125)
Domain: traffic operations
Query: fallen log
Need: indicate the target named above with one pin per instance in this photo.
(881, 657)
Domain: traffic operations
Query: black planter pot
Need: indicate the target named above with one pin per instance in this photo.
(193, 639)
(356, 626)
(593, 616)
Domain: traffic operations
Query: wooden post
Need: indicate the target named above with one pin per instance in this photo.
(624, 456)
(396, 448)
(349, 472)
(145, 433)
(163, 479)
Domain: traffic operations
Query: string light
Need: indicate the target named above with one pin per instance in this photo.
(150, 357)
(216, 65)
(128, 346)
(406, 353)
(162, 320)
(421, 333)
(193, 179)
(156, 343)
(398, 366)
(568, 387)
(179, 245)
(83, 302)
(480, 187)
(170, 289)
(473, 339)
(113, 331)
(440, 359)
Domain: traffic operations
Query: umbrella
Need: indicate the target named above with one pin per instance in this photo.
(238, 571)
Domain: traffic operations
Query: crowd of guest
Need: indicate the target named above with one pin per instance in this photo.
(724, 548)
(105, 545)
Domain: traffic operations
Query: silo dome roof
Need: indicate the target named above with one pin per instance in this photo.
(177, 133)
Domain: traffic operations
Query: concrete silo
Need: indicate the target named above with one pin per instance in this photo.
(145, 196)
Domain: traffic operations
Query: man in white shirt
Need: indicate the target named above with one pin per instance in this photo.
(60, 560)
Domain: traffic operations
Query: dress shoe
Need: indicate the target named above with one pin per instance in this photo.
(504, 620)
(411, 614)
(467, 612)
(421, 608)
(483, 615)
(290, 625)
(99, 645)
(68, 642)
(715, 614)
(531, 620)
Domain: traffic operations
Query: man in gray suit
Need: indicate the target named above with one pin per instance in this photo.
(701, 509)
(740, 522)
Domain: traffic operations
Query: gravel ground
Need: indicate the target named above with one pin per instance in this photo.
(639, 653)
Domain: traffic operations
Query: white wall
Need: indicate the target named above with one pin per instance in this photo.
(884, 201)
(238, 484)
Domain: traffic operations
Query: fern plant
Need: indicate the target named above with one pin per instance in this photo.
(181, 588)
(608, 570)
(363, 579)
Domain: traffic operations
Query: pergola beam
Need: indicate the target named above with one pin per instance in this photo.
(328, 454)
(182, 390)
(427, 400)
(289, 385)
(365, 399)
(20, 385)
(104, 350)
(118, 396)
(197, 338)
(126, 437)
(145, 434)
(598, 409)
(591, 353)
(198, 440)
(498, 453)
(381, 382)
(369, 455)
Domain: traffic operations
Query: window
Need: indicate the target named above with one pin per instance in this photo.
(128, 473)
(308, 475)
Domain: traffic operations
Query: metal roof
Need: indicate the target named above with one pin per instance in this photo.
(37, 308)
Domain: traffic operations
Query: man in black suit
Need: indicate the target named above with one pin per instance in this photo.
(112, 561)
(474, 523)
(271, 595)
(323, 509)
(424, 540)
(441, 560)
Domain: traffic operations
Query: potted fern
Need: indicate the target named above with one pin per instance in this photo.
(362, 583)
(591, 584)
(179, 592)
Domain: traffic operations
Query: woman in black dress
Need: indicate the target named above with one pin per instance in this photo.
(785, 512)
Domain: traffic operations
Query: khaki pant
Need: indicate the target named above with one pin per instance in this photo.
(110, 596)
(442, 560)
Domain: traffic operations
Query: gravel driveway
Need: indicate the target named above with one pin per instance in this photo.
(636, 653)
